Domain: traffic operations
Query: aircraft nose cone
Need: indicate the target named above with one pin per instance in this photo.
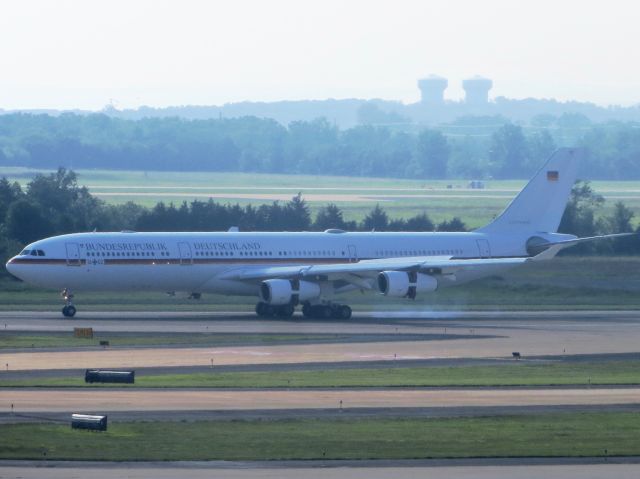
(11, 266)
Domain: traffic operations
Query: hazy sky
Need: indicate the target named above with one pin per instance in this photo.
(83, 54)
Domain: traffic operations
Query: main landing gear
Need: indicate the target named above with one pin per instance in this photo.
(69, 310)
(265, 310)
(326, 311)
(315, 311)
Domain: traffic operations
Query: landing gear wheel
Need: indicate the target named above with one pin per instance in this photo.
(344, 312)
(69, 310)
(285, 311)
(261, 309)
(265, 310)
(307, 310)
(322, 312)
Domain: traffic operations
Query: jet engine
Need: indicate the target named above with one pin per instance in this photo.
(401, 284)
(284, 291)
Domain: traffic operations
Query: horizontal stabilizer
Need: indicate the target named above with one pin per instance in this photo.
(553, 248)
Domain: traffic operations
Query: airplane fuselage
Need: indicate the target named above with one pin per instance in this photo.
(194, 262)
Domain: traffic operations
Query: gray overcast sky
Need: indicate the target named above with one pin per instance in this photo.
(81, 54)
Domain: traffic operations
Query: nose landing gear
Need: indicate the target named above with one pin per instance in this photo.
(69, 310)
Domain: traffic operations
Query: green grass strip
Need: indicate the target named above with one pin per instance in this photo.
(67, 340)
(557, 435)
(509, 374)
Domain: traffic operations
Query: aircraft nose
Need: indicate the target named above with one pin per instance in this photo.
(11, 266)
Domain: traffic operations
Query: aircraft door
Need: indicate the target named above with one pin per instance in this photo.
(185, 253)
(353, 254)
(484, 249)
(73, 254)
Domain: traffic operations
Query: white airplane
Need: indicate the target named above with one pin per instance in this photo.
(288, 269)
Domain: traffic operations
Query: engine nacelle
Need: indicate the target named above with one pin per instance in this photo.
(400, 284)
(284, 291)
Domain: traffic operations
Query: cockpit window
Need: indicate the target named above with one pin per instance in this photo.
(32, 252)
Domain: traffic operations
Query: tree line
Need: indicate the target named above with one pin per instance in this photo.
(251, 144)
(55, 204)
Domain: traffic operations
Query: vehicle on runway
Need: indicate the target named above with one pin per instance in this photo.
(288, 269)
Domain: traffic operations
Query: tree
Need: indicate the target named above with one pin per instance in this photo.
(26, 222)
(508, 152)
(329, 217)
(376, 220)
(297, 214)
(9, 192)
(579, 215)
(620, 222)
(540, 146)
(431, 156)
(454, 224)
(420, 222)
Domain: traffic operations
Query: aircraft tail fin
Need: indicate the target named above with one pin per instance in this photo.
(539, 207)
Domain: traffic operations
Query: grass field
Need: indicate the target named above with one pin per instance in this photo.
(441, 199)
(66, 340)
(514, 373)
(567, 435)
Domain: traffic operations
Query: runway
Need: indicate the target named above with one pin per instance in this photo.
(401, 470)
(532, 334)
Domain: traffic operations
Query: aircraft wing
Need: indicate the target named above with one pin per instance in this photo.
(436, 265)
